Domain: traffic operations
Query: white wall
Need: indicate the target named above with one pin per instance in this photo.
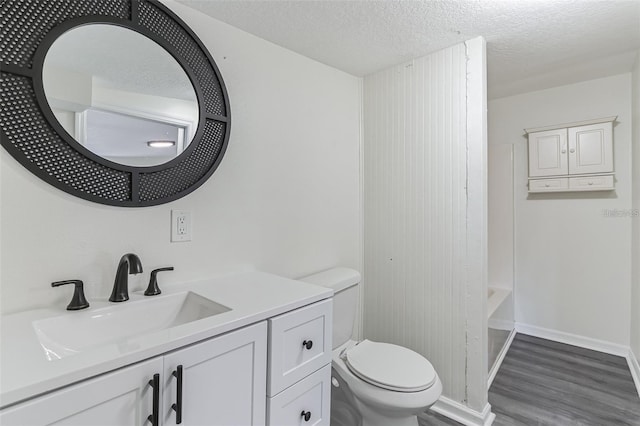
(635, 299)
(573, 263)
(424, 139)
(500, 215)
(285, 199)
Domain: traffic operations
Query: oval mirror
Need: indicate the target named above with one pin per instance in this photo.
(120, 95)
(115, 102)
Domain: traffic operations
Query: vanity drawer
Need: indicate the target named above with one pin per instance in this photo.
(311, 396)
(591, 183)
(299, 344)
(548, 185)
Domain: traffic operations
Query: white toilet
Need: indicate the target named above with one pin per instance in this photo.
(374, 384)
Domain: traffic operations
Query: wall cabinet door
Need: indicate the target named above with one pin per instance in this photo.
(548, 153)
(123, 397)
(591, 149)
(223, 380)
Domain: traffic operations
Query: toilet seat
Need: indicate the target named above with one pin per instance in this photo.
(390, 366)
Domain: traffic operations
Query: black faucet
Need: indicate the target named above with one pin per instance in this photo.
(129, 264)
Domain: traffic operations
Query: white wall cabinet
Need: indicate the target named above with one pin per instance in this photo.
(591, 149)
(223, 383)
(572, 157)
(548, 153)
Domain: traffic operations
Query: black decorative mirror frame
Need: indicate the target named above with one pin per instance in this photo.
(33, 136)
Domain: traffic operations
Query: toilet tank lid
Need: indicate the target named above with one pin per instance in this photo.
(336, 278)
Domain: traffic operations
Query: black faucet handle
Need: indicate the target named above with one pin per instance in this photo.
(153, 288)
(78, 301)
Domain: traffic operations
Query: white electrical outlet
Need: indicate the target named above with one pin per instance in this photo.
(181, 225)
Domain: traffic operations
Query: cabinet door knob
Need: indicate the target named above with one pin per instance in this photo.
(564, 151)
(306, 415)
(572, 150)
(308, 344)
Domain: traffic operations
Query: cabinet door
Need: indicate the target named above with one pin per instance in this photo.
(223, 380)
(122, 398)
(300, 344)
(548, 153)
(307, 402)
(591, 149)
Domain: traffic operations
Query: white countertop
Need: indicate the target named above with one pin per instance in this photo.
(25, 370)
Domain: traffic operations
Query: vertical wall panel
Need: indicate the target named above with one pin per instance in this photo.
(415, 210)
(635, 224)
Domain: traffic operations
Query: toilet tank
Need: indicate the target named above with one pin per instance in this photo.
(344, 282)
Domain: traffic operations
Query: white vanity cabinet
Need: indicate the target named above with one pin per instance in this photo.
(123, 397)
(223, 380)
(223, 383)
(299, 386)
(572, 157)
(211, 370)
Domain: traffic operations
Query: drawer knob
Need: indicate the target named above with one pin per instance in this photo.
(308, 344)
(590, 183)
(306, 415)
(547, 185)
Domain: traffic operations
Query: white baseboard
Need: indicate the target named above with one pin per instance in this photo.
(463, 414)
(501, 355)
(573, 339)
(635, 369)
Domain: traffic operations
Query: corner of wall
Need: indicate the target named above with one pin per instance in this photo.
(635, 249)
(477, 224)
(634, 366)
(363, 283)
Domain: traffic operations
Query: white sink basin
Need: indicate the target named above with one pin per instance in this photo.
(124, 323)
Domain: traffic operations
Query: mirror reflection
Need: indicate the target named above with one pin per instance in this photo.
(120, 94)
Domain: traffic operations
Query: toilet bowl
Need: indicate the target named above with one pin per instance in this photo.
(397, 400)
(373, 383)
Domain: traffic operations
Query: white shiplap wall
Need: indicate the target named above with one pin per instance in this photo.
(416, 267)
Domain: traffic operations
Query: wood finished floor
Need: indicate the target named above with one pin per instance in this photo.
(545, 383)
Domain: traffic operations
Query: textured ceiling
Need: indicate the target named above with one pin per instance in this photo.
(531, 44)
(121, 59)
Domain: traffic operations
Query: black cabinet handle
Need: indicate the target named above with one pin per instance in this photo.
(155, 384)
(308, 344)
(177, 407)
(306, 415)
